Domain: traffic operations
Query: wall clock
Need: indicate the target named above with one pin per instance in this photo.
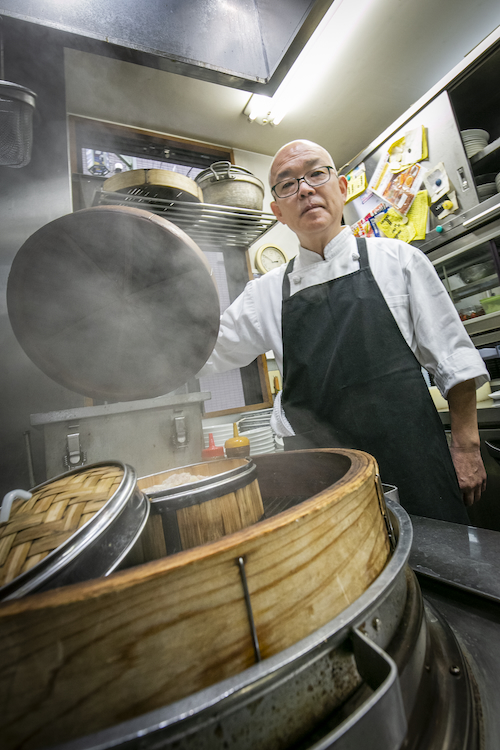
(268, 257)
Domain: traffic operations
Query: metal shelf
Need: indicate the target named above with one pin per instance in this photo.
(467, 290)
(208, 225)
(483, 323)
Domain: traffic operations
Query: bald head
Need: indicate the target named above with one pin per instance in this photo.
(298, 148)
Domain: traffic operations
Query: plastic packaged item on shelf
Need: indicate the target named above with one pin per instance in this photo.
(477, 271)
(488, 352)
(491, 304)
(474, 311)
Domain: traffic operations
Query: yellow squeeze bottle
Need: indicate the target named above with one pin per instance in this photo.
(237, 447)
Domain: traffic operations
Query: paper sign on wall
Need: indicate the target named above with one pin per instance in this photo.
(356, 182)
(398, 189)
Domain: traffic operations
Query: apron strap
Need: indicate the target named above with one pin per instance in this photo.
(286, 280)
(363, 253)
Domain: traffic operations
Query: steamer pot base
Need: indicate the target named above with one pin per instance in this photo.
(264, 706)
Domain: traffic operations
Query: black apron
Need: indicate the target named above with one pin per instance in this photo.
(350, 380)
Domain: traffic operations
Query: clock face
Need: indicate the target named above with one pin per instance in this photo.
(270, 257)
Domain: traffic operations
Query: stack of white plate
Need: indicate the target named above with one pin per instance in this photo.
(252, 420)
(474, 141)
(221, 433)
(261, 440)
(486, 191)
(497, 182)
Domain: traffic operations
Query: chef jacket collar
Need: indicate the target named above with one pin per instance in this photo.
(336, 246)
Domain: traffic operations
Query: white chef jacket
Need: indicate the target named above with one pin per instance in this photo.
(420, 304)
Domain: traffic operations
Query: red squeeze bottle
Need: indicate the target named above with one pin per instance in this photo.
(213, 451)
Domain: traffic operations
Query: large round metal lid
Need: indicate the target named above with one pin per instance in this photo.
(114, 303)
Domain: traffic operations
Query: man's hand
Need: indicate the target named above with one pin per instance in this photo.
(465, 443)
(470, 473)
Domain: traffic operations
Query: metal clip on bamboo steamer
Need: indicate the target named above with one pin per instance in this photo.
(237, 446)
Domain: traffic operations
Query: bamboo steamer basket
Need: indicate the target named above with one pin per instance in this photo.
(225, 499)
(85, 657)
(74, 527)
(154, 183)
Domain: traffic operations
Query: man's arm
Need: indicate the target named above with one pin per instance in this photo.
(464, 447)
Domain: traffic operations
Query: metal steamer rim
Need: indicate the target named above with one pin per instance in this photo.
(173, 498)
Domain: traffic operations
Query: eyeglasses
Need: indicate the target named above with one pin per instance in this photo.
(314, 178)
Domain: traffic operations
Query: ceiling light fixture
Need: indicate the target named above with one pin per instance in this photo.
(304, 73)
(264, 110)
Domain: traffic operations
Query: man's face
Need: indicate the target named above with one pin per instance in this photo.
(313, 213)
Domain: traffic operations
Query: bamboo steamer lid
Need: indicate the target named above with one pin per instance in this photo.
(155, 183)
(114, 303)
(48, 539)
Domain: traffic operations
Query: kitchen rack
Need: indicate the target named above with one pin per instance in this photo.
(209, 225)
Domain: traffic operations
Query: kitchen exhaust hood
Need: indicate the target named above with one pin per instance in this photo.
(248, 44)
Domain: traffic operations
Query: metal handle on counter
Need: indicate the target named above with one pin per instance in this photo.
(383, 510)
(379, 723)
(479, 217)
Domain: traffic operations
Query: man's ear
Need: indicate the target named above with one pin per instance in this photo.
(277, 211)
(343, 185)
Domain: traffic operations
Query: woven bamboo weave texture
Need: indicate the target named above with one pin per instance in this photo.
(55, 511)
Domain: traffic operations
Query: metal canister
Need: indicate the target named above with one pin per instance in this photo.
(226, 184)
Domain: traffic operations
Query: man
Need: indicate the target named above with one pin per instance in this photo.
(351, 323)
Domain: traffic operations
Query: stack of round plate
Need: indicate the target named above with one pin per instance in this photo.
(486, 191)
(485, 186)
(261, 440)
(256, 426)
(221, 433)
(253, 425)
(497, 182)
(474, 141)
(261, 418)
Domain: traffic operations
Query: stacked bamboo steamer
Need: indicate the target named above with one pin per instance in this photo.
(214, 499)
(52, 515)
(48, 539)
(154, 183)
(188, 611)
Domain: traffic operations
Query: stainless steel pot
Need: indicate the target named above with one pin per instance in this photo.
(225, 184)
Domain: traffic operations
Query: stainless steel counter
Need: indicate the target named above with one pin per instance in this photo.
(486, 512)
(458, 568)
